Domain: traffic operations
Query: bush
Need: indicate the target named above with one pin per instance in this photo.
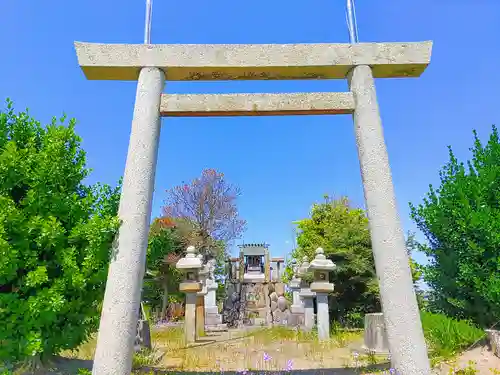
(447, 337)
(55, 239)
(461, 221)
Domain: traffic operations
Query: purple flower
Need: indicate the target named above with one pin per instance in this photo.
(289, 365)
(392, 371)
(267, 357)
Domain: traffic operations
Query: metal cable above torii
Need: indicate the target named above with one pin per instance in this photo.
(147, 23)
(352, 24)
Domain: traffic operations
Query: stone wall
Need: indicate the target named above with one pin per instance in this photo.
(257, 304)
(231, 307)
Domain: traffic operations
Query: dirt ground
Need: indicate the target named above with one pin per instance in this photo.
(483, 358)
(272, 351)
(234, 351)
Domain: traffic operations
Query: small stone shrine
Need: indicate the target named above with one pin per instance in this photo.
(254, 290)
(213, 320)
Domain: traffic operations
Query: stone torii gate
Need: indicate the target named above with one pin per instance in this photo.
(153, 64)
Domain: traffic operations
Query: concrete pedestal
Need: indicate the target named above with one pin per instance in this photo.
(295, 289)
(399, 303)
(296, 297)
(143, 338)
(200, 315)
(297, 307)
(323, 316)
(375, 337)
(494, 341)
(118, 324)
(190, 318)
(308, 301)
(212, 316)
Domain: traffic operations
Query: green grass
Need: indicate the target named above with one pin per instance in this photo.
(447, 337)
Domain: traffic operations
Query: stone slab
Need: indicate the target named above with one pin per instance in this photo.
(249, 278)
(211, 310)
(258, 321)
(321, 287)
(190, 287)
(216, 328)
(209, 62)
(297, 309)
(213, 319)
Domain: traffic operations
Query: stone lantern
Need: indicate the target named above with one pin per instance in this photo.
(190, 266)
(321, 267)
(306, 295)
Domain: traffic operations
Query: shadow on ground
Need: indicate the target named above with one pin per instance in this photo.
(64, 366)
(322, 371)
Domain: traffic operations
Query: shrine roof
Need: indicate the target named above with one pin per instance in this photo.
(244, 246)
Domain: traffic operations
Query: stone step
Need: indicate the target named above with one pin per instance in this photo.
(216, 328)
(213, 319)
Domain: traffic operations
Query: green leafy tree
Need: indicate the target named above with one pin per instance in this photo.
(461, 221)
(168, 240)
(165, 248)
(411, 246)
(416, 270)
(342, 231)
(56, 236)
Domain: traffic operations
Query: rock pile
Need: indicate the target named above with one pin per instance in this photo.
(279, 309)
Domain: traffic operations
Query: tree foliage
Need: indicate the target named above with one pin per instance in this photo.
(55, 238)
(342, 231)
(165, 244)
(412, 245)
(165, 248)
(461, 221)
(168, 240)
(208, 205)
(416, 270)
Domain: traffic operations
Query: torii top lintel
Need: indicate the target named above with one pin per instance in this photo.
(208, 62)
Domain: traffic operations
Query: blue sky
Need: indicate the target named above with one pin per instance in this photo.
(282, 164)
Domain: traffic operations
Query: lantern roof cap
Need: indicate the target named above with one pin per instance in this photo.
(320, 262)
(190, 261)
